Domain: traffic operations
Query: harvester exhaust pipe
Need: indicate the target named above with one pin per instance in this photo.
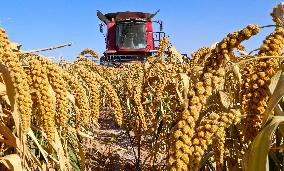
(153, 15)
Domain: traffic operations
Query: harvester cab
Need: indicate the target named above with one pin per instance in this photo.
(129, 37)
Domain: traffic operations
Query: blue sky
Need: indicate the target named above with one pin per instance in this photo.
(190, 24)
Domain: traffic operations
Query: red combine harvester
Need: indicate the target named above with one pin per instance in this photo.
(130, 37)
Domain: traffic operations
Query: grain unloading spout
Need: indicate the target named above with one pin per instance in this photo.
(102, 17)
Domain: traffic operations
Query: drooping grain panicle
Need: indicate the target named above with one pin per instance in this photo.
(198, 57)
(211, 77)
(18, 78)
(219, 148)
(214, 66)
(162, 46)
(42, 88)
(208, 128)
(88, 65)
(137, 98)
(114, 100)
(59, 87)
(93, 92)
(256, 77)
(224, 49)
(81, 100)
(88, 51)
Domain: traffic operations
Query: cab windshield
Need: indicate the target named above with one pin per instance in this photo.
(131, 35)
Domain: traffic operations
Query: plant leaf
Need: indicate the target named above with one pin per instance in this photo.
(258, 153)
(276, 95)
(9, 138)
(43, 152)
(3, 90)
(63, 160)
(12, 162)
(11, 95)
(274, 80)
(71, 98)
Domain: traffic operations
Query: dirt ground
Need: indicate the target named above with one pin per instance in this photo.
(111, 149)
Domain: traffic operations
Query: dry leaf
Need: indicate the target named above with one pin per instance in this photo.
(224, 99)
(12, 162)
(3, 90)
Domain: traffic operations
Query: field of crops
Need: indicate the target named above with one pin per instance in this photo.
(221, 109)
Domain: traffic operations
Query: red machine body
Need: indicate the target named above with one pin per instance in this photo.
(112, 28)
(130, 36)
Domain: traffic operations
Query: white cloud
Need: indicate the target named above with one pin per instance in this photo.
(5, 20)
